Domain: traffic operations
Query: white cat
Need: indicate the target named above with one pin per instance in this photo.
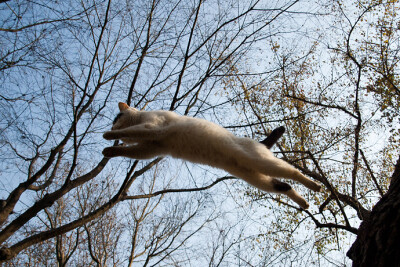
(148, 134)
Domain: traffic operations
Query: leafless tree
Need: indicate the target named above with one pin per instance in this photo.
(64, 66)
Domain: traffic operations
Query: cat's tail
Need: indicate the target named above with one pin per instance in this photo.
(273, 137)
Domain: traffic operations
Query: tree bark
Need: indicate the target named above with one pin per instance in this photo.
(378, 239)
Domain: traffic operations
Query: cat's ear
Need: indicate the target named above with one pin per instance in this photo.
(122, 106)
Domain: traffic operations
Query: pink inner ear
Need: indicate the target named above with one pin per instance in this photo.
(122, 106)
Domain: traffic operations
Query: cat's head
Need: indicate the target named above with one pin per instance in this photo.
(127, 116)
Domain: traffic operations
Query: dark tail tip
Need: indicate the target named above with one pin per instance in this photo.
(273, 137)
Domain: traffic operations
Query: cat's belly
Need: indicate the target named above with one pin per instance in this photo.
(203, 143)
(203, 153)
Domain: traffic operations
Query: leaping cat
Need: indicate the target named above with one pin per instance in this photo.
(148, 134)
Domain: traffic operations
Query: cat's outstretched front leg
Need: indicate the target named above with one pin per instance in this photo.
(138, 132)
(139, 151)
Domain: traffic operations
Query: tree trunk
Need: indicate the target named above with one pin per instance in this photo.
(378, 239)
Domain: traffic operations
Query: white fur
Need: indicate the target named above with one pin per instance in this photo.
(160, 133)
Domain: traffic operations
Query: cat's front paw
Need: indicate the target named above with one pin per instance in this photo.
(110, 152)
(109, 135)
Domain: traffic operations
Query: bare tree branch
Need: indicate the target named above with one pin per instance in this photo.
(161, 192)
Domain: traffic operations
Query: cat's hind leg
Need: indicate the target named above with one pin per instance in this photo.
(139, 151)
(275, 186)
(284, 188)
(255, 156)
(269, 184)
(279, 168)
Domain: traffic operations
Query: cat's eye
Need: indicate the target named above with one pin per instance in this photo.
(117, 117)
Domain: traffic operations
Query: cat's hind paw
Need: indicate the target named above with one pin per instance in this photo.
(317, 187)
(305, 205)
(296, 197)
